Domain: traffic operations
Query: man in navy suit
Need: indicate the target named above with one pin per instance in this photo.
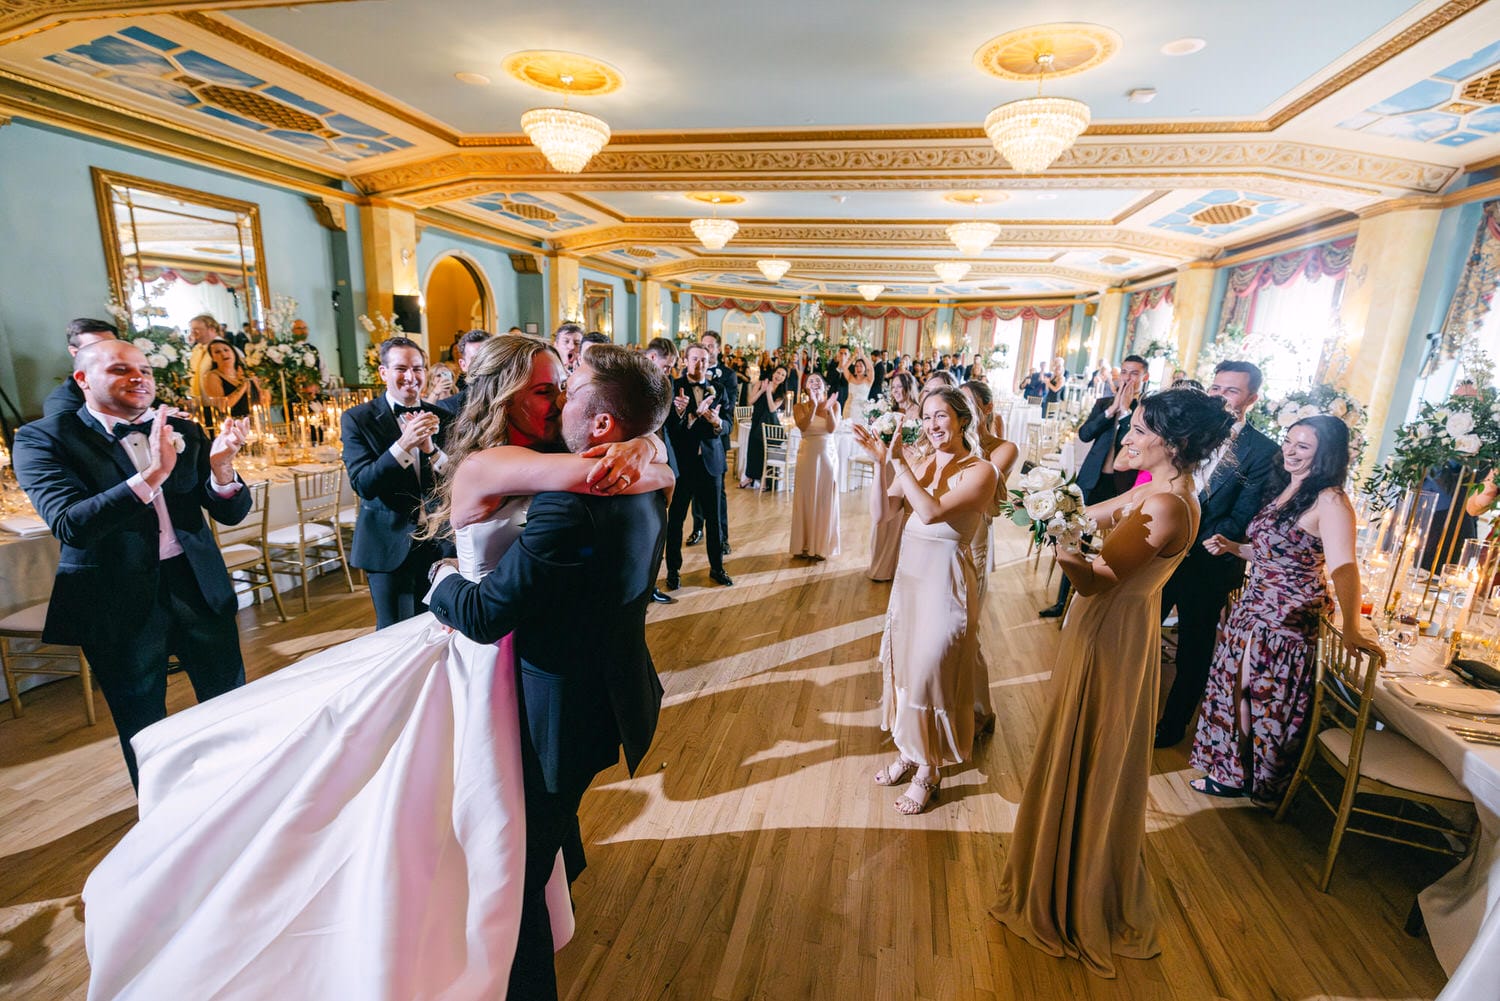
(1232, 485)
(82, 332)
(140, 576)
(572, 592)
(393, 454)
(701, 409)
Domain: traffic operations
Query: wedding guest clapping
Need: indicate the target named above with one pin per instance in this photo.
(815, 497)
(766, 399)
(888, 513)
(227, 384)
(1261, 684)
(1075, 881)
(931, 634)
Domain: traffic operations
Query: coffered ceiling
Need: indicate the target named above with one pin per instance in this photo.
(841, 125)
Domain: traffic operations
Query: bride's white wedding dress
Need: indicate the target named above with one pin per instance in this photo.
(351, 826)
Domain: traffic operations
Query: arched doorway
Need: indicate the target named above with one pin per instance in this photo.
(455, 298)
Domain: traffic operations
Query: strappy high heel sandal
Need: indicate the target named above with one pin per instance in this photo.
(908, 805)
(894, 772)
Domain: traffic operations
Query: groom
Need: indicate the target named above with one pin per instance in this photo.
(573, 591)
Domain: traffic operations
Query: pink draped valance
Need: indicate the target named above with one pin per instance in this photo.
(1151, 298)
(1312, 263)
(875, 312)
(1012, 312)
(747, 305)
(153, 273)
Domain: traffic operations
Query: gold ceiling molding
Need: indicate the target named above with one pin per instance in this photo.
(841, 269)
(23, 18)
(562, 72)
(1074, 46)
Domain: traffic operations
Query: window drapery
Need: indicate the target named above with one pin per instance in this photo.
(152, 273)
(1307, 263)
(1143, 302)
(1476, 288)
(747, 305)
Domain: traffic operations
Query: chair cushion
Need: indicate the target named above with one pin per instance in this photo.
(311, 532)
(1390, 758)
(348, 515)
(240, 555)
(26, 622)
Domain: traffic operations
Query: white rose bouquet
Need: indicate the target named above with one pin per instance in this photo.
(886, 421)
(1052, 507)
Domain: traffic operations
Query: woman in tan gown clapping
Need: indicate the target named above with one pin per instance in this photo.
(1075, 881)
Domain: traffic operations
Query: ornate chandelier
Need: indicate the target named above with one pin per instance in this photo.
(971, 238)
(951, 271)
(567, 138)
(1033, 132)
(714, 233)
(870, 292)
(773, 269)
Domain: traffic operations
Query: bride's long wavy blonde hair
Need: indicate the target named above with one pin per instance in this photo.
(500, 370)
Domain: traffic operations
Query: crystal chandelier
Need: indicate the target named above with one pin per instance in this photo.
(971, 238)
(715, 232)
(1033, 132)
(951, 271)
(869, 291)
(567, 138)
(773, 269)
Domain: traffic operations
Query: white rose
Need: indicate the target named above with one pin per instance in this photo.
(1056, 527)
(1075, 490)
(155, 360)
(1468, 444)
(1307, 410)
(1288, 416)
(1424, 431)
(1040, 506)
(1442, 413)
(146, 344)
(1338, 408)
(1046, 478)
(1088, 524)
(168, 352)
(178, 442)
(1460, 424)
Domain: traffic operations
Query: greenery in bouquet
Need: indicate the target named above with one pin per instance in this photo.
(1160, 349)
(380, 326)
(166, 349)
(999, 360)
(277, 358)
(884, 420)
(1463, 429)
(1051, 507)
(1273, 417)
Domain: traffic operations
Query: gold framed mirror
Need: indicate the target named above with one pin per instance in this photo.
(174, 253)
(599, 307)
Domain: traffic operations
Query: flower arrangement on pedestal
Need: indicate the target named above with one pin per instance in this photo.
(1463, 429)
(1166, 350)
(288, 368)
(1234, 344)
(1273, 417)
(166, 348)
(999, 359)
(380, 327)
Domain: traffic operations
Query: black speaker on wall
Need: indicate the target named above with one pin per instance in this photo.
(408, 310)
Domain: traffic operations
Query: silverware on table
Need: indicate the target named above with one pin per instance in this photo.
(1476, 717)
(1477, 736)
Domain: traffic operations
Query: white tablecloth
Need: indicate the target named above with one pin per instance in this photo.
(1462, 909)
(844, 443)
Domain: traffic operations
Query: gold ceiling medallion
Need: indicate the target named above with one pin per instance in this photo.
(1075, 47)
(528, 211)
(563, 72)
(975, 197)
(1114, 259)
(641, 252)
(1221, 215)
(714, 198)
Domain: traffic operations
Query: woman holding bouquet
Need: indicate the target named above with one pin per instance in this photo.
(931, 633)
(765, 408)
(888, 513)
(1075, 881)
(815, 495)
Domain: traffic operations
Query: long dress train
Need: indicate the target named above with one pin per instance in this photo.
(1075, 881)
(352, 826)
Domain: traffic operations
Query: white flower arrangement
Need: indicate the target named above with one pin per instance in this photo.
(1052, 507)
(885, 420)
(178, 441)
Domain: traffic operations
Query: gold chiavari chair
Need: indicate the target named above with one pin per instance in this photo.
(1370, 762)
(314, 542)
(247, 554)
(26, 624)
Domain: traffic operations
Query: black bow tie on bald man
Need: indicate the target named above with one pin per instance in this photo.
(123, 430)
(398, 410)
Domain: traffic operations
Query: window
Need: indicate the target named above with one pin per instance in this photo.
(1300, 316)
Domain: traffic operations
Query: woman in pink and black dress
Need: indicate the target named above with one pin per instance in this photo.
(1260, 687)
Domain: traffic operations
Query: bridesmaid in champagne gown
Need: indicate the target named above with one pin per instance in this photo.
(887, 513)
(1002, 455)
(815, 496)
(1075, 881)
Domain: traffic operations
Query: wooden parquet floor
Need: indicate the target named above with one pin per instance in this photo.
(753, 858)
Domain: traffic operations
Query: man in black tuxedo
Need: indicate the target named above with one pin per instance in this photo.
(882, 368)
(67, 398)
(662, 352)
(392, 449)
(1232, 490)
(1105, 428)
(836, 376)
(700, 412)
(573, 592)
(124, 490)
(465, 351)
(729, 387)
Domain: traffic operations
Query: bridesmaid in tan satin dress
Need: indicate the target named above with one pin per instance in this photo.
(887, 513)
(815, 492)
(1002, 455)
(1075, 881)
(931, 636)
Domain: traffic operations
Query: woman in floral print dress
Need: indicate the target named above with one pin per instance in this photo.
(1260, 686)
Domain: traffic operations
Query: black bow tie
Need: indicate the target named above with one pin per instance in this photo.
(123, 430)
(398, 410)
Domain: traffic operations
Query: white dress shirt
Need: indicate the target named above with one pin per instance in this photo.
(138, 447)
(1206, 471)
(409, 457)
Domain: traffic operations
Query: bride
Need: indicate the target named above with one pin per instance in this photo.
(353, 825)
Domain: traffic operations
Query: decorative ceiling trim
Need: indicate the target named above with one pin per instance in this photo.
(844, 268)
(24, 18)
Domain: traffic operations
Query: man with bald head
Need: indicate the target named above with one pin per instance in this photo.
(124, 488)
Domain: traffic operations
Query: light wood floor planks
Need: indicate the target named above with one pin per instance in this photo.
(753, 858)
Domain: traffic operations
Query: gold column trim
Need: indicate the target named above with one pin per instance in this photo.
(24, 18)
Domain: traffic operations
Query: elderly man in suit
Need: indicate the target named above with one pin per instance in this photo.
(140, 577)
(392, 449)
(1105, 428)
(1232, 485)
(82, 332)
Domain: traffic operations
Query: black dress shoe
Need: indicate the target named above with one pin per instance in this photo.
(1051, 611)
(726, 549)
(673, 582)
(720, 577)
(696, 537)
(660, 598)
(1166, 738)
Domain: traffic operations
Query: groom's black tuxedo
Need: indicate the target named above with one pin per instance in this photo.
(700, 452)
(392, 495)
(1200, 586)
(573, 592)
(114, 596)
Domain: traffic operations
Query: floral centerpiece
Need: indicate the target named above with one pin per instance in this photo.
(286, 367)
(166, 349)
(1463, 429)
(1275, 416)
(1166, 350)
(1234, 344)
(380, 327)
(1051, 507)
(885, 420)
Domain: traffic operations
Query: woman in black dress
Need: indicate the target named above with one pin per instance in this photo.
(766, 398)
